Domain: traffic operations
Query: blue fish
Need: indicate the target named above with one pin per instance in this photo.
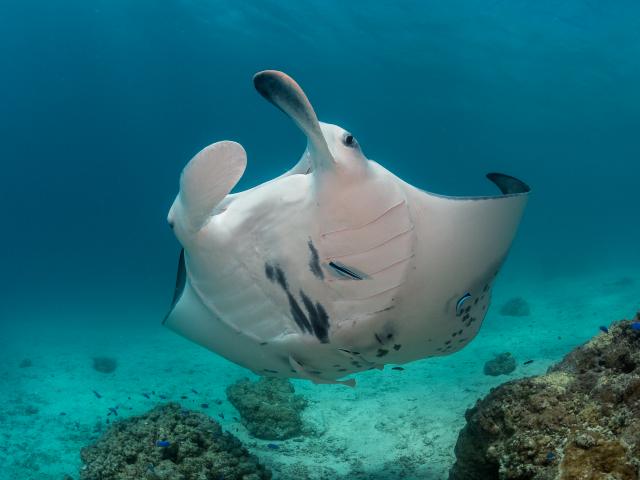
(204, 405)
(604, 329)
(113, 410)
(163, 397)
(97, 394)
(635, 326)
(163, 443)
(194, 391)
(551, 456)
(146, 395)
(221, 415)
(272, 446)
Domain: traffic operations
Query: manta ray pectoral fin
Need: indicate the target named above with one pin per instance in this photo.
(181, 280)
(283, 92)
(467, 238)
(205, 182)
(300, 370)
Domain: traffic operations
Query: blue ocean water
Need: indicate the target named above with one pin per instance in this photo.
(103, 102)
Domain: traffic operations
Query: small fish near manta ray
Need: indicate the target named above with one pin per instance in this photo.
(335, 267)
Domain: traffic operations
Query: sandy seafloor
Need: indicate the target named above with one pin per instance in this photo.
(394, 424)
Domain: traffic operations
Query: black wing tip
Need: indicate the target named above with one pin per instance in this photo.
(507, 184)
(181, 280)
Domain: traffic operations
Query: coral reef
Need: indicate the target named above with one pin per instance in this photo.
(516, 307)
(502, 364)
(581, 420)
(169, 443)
(105, 364)
(269, 407)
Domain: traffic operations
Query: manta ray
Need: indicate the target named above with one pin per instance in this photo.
(335, 267)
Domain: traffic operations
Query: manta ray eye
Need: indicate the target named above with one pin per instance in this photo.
(349, 141)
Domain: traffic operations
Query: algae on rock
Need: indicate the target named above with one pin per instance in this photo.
(579, 421)
(269, 408)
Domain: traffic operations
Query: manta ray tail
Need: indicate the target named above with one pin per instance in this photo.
(205, 182)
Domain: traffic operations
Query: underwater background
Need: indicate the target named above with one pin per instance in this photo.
(102, 103)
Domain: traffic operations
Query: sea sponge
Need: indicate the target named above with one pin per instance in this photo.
(169, 443)
(269, 407)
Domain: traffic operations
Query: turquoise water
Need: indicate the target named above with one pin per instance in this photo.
(104, 102)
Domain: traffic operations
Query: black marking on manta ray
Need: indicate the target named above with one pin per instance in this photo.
(317, 317)
(269, 273)
(397, 347)
(298, 315)
(381, 352)
(281, 279)
(344, 271)
(314, 262)
(378, 338)
(262, 344)
(269, 371)
(318, 321)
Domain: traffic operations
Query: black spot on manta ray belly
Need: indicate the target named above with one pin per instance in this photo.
(281, 279)
(298, 315)
(318, 318)
(314, 262)
(269, 272)
(317, 321)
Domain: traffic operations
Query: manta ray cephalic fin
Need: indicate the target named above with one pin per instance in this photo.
(206, 181)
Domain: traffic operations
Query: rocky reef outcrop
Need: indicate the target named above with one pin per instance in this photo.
(579, 421)
(502, 364)
(169, 443)
(269, 408)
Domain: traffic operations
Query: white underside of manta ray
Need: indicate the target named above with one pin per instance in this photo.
(335, 267)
